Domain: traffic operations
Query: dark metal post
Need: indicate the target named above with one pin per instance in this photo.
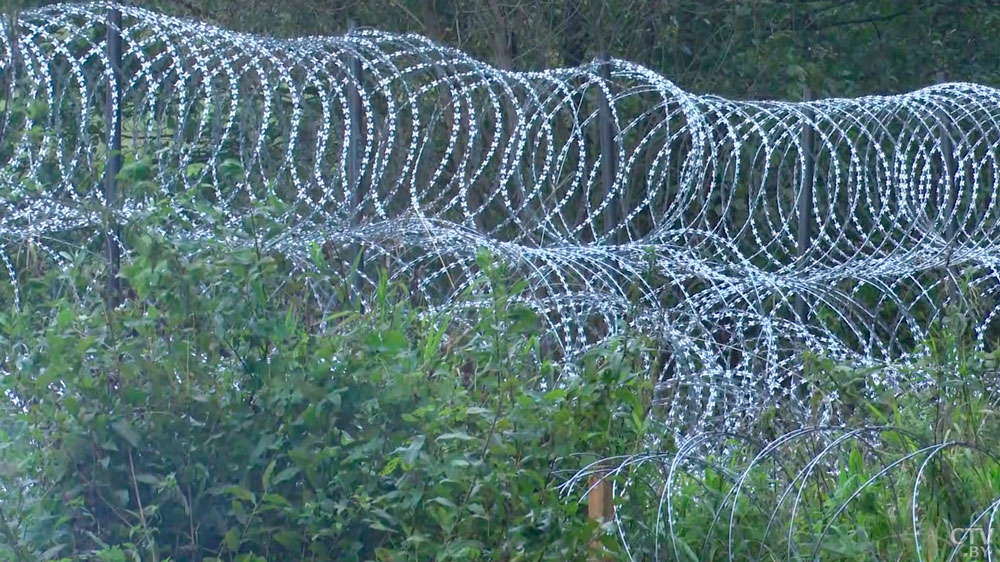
(804, 203)
(609, 162)
(355, 192)
(113, 120)
(949, 179)
(948, 182)
(600, 500)
(354, 141)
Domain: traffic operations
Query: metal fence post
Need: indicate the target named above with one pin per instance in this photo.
(600, 503)
(355, 193)
(113, 121)
(949, 182)
(804, 203)
(609, 162)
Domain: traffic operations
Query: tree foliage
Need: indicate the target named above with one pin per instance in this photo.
(741, 48)
(210, 418)
(216, 415)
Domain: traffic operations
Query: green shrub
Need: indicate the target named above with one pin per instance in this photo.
(209, 417)
(219, 412)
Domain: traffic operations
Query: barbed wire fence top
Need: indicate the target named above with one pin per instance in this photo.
(737, 234)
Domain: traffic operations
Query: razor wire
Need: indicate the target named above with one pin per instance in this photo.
(813, 493)
(738, 235)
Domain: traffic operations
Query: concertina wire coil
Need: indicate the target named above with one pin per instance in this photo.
(736, 234)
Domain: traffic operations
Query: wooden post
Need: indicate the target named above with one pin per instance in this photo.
(804, 203)
(609, 161)
(113, 121)
(600, 501)
(355, 193)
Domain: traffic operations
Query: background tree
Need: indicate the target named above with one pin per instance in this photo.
(739, 48)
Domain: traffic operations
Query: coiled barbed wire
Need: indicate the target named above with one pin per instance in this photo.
(815, 493)
(738, 234)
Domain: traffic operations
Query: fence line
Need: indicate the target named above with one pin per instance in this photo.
(686, 224)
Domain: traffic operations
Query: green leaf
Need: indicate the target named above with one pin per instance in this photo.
(855, 463)
(231, 540)
(52, 552)
(391, 466)
(286, 474)
(556, 395)
(194, 170)
(288, 539)
(123, 497)
(302, 458)
(148, 479)
(389, 341)
(240, 492)
(126, 432)
(460, 435)
(38, 110)
(265, 479)
(231, 168)
(445, 502)
(140, 170)
(410, 453)
(276, 499)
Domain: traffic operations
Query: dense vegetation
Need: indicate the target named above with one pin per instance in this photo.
(769, 49)
(216, 414)
(209, 417)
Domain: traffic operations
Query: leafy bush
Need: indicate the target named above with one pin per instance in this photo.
(217, 413)
(208, 417)
(906, 472)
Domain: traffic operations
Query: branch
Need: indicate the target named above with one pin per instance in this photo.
(874, 19)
